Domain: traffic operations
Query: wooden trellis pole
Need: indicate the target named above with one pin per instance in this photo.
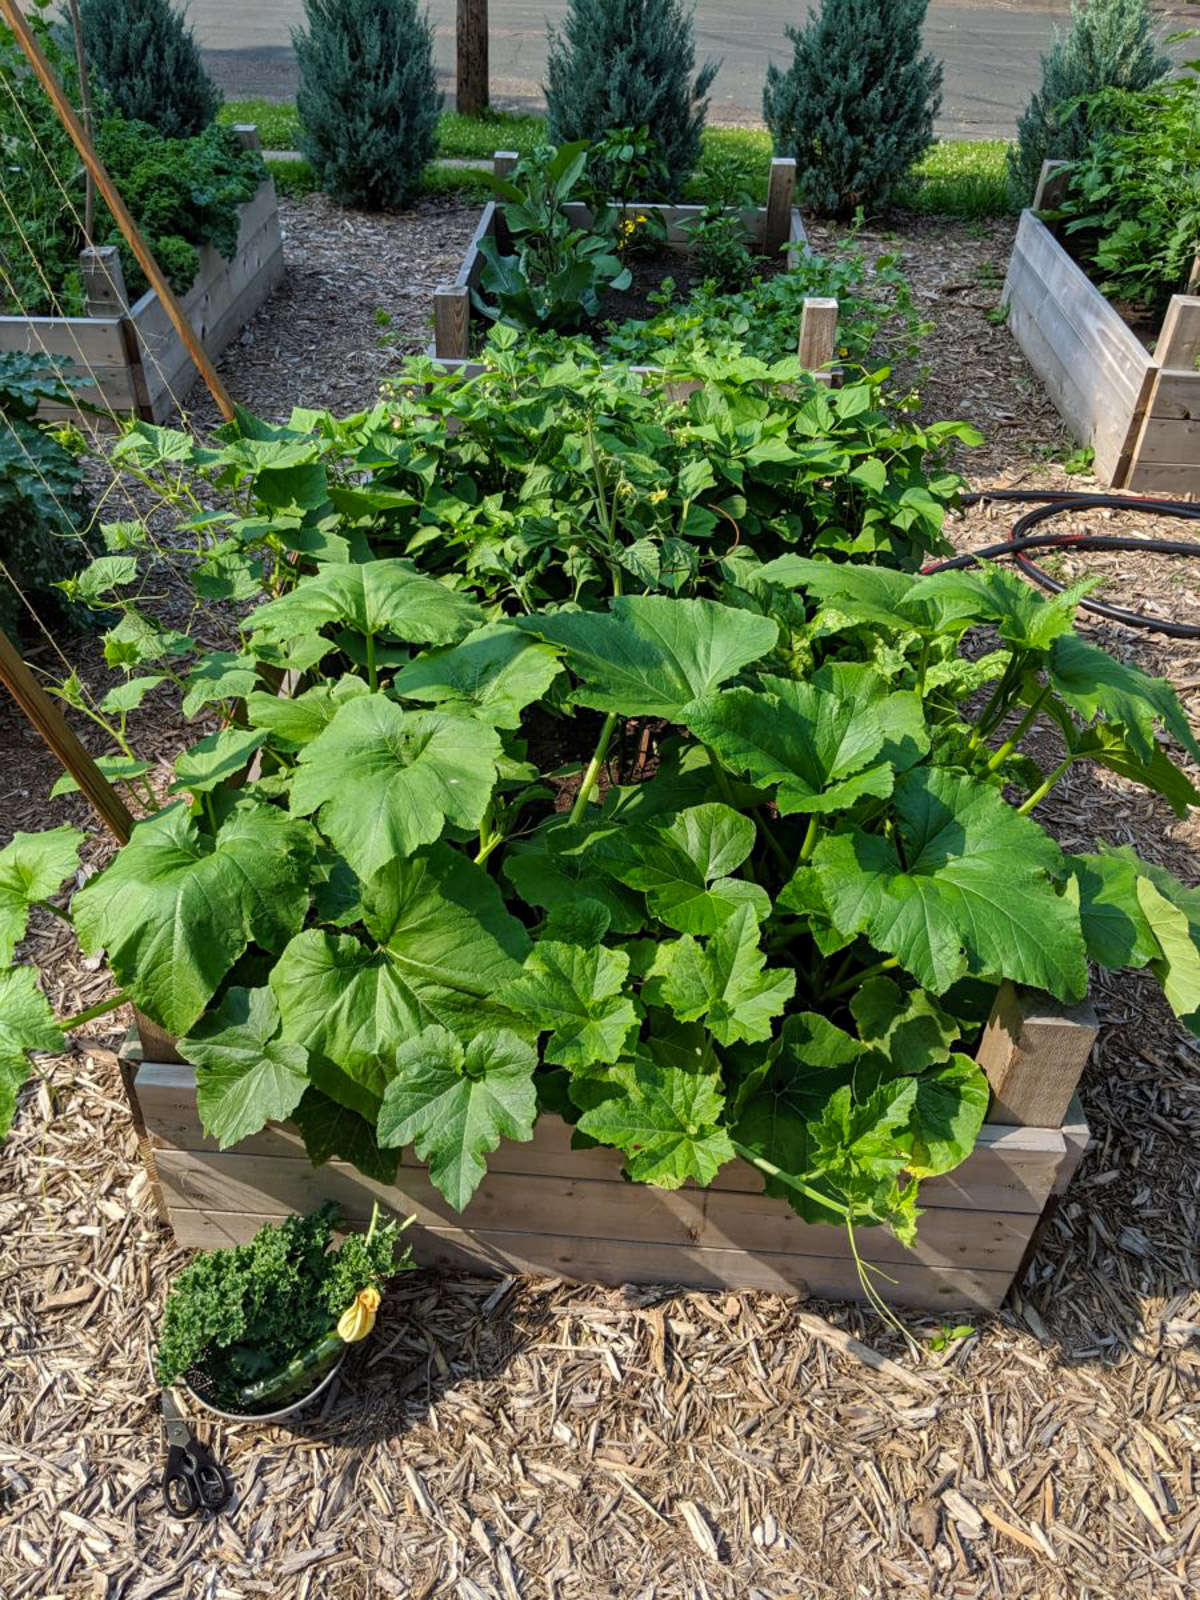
(12, 14)
(49, 721)
(471, 51)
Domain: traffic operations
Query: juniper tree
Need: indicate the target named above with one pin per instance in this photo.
(1110, 44)
(630, 64)
(368, 100)
(143, 56)
(857, 105)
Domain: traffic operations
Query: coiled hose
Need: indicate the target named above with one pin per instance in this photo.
(1051, 503)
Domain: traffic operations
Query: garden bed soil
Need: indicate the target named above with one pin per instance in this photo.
(538, 1438)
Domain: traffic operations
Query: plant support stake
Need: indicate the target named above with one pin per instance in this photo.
(12, 14)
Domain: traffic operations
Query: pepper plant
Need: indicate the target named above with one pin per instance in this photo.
(710, 875)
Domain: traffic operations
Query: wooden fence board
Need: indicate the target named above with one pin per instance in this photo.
(495, 1252)
(1011, 1170)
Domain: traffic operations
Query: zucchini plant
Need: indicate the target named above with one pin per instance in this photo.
(728, 873)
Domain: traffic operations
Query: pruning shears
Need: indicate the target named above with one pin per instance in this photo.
(193, 1480)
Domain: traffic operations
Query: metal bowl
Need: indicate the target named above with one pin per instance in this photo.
(196, 1384)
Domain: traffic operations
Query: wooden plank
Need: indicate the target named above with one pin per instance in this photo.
(1093, 367)
(1033, 1052)
(1010, 1170)
(498, 1252)
(798, 246)
(1051, 186)
(776, 223)
(598, 1209)
(103, 281)
(1178, 343)
(817, 346)
(451, 321)
(1166, 457)
(504, 162)
(472, 264)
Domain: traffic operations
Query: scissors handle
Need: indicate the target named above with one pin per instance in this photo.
(193, 1481)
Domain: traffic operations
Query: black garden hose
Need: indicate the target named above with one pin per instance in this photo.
(1052, 503)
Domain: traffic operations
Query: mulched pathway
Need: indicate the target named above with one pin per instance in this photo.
(552, 1442)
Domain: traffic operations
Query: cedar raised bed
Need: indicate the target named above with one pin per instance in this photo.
(768, 229)
(1139, 411)
(546, 1208)
(136, 360)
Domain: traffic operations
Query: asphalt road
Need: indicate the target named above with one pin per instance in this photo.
(991, 51)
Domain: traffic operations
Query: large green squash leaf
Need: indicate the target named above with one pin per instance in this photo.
(247, 1076)
(176, 908)
(552, 870)
(1178, 966)
(682, 864)
(372, 597)
(1115, 929)
(446, 952)
(496, 672)
(26, 1023)
(723, 981)
(667, 1120)
(1097, 685)
(952, 1101)
(32, 867)
(580, 997)
(972, 892)
(333, 1132)
(385, 781)
(651, 655)
(818, 745)
(454, 1104)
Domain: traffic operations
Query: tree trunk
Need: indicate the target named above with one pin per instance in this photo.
(472, 57)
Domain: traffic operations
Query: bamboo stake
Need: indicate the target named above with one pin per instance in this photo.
(85, 106)
(11, 12)
(55, 730)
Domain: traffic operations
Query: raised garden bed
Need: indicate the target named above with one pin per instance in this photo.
(1139, 410)
(546, 1208)
(768, 229)
(132, 354)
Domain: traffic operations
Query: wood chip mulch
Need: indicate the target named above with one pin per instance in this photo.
(549, 1441)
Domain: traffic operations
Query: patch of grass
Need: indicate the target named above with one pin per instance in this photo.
(277, 124)
(293, 179)
(962, 178)
(478, 138)
(463, 182)
(732, 161)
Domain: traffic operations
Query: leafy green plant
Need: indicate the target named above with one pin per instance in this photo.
(43, 500)
(558, 270)
(368, 99)
(143, 57)
(1109, 45)
(183, 193)
(877, 319)
(857, 105)
(242, 1313)
(1132, 206)
(718, 874)
(630, 64)
(719, 242)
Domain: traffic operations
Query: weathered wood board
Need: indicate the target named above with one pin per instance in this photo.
(1139, 411)
(547, 1208)
(135, 359)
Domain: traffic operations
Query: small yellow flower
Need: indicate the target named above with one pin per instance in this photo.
(657, 496)
(358, 1319)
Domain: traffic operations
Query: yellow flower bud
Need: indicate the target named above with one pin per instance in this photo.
(358, 1319)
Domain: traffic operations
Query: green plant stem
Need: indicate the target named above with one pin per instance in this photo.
(100, 1009)
(770, 1170)
(812, 834)
(1040, 793)
(923, 666)
(998, 702)
(593, 768)
(860, 978)
(372, 679)
(1019, 732)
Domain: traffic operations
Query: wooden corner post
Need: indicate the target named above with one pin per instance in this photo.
(1051, 185)
(504, 162)
(451, 322)
(777, 224)
(1033, 1052)
(817, 346)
